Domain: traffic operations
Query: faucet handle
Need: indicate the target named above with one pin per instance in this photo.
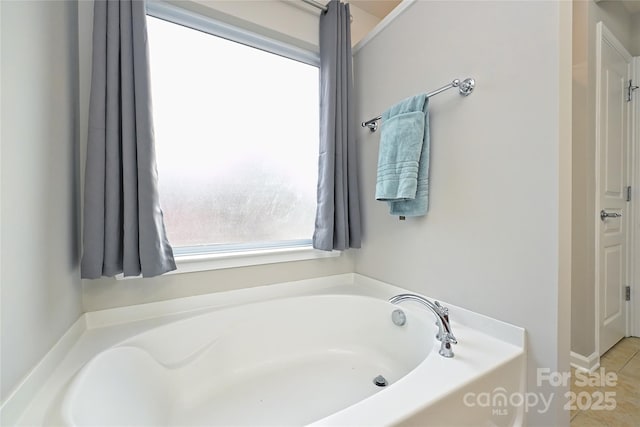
(443, 313)
(445, 347)
(448, 337)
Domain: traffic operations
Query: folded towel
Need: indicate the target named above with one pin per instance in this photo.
(403, 157)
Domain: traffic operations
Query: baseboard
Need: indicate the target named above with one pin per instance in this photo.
(586, 363)
(22, 395)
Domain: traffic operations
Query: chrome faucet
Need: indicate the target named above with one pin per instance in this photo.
(442, 320)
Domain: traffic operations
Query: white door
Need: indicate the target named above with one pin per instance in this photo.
(612, 179)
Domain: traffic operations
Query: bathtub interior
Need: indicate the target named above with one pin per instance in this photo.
(283, 362)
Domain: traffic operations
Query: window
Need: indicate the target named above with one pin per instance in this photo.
(236, 136)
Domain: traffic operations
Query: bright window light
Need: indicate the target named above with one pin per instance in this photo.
(236, 132)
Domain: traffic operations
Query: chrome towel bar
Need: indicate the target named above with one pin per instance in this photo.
(465, 87)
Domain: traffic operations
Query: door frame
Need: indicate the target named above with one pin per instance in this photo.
(604, 35)
(634, 306)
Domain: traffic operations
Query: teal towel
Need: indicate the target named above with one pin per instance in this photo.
(403, 157)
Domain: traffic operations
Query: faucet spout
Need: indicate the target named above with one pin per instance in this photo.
(442, 320)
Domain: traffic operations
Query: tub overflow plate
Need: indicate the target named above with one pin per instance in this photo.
(398, 317)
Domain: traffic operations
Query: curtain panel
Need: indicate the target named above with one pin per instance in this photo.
(337, 224)
(123, 224)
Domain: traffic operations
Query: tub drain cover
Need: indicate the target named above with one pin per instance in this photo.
(380, 381)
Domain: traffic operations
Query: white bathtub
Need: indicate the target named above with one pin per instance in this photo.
(298, 360)
(284, 362)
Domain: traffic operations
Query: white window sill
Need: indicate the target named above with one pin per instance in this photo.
(244, 258)
(217, 261)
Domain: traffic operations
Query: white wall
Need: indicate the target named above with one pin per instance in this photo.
(635, 34)
(583, 295)
(39, 279)
(491, 240)
(107, 293)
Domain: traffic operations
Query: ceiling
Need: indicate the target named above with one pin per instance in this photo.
(378, 8)
(633, 6)
(381, 8)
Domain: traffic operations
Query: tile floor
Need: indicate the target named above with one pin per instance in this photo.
(624, 360)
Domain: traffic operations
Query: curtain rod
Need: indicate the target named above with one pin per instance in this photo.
(316, 4)
(321, 6)
(465, 88)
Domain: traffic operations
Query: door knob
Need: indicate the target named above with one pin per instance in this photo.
(604, 214)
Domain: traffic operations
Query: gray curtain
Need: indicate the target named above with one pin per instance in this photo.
(337, 224)
(123, 226)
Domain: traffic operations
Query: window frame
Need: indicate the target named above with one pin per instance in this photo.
(220, 256)
(206, 24)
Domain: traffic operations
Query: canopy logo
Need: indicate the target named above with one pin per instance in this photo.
(499, 400)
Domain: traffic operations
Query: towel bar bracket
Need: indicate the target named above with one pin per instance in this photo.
(372, 124)
(465, 88)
